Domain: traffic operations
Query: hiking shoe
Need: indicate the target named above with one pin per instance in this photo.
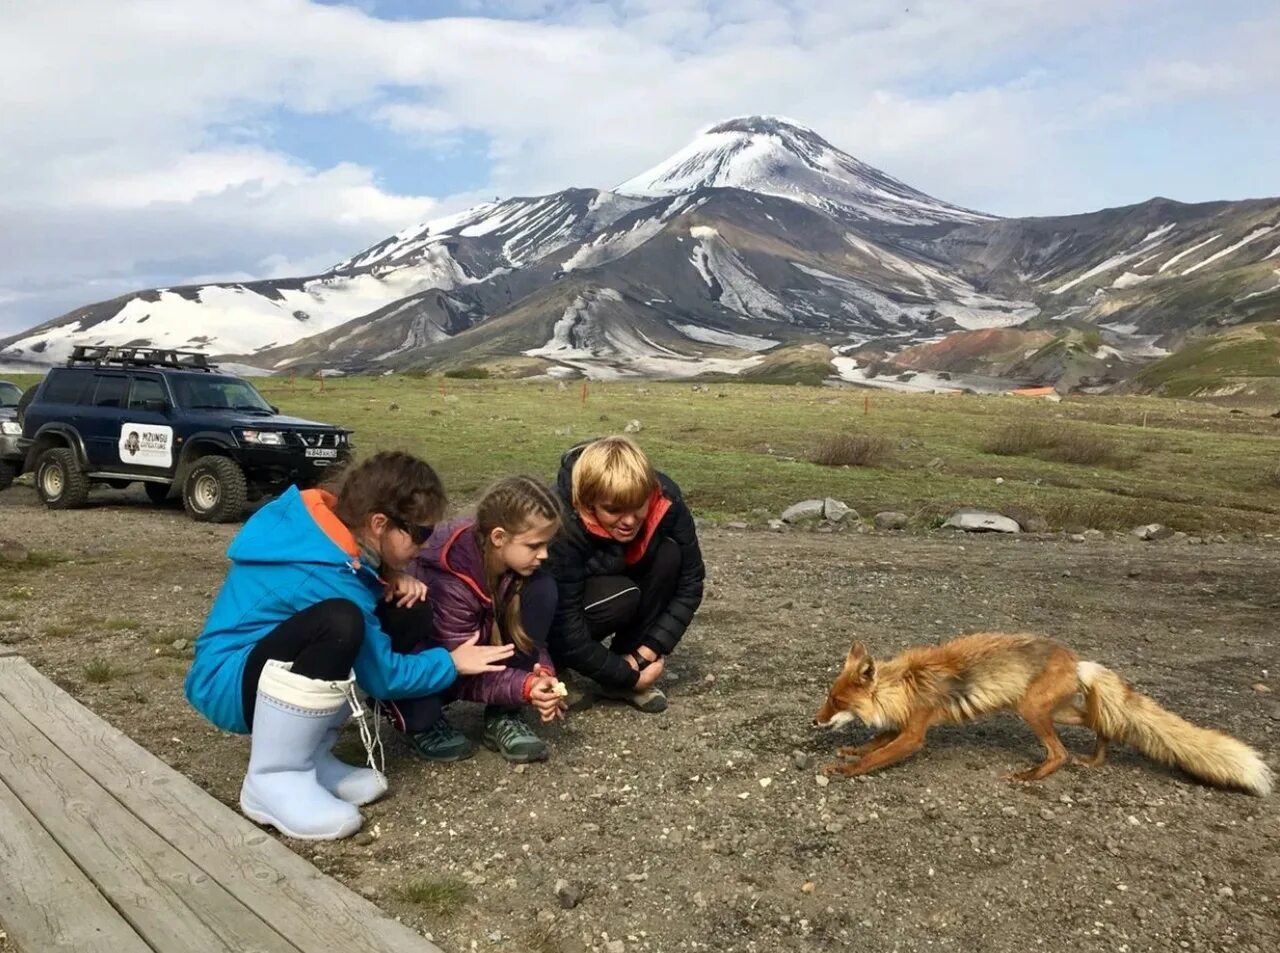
(651, 701)
(507, 733)
(440, 742)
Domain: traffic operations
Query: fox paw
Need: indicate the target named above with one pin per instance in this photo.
(850, 751)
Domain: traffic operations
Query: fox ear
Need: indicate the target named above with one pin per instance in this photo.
(868, 670)
(856, 651)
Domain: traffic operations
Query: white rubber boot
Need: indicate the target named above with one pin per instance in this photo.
(354, 784)
(291, 716)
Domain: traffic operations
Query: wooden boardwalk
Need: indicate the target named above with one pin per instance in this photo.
(105, 849)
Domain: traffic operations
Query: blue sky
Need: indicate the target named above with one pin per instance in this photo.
(233, 139)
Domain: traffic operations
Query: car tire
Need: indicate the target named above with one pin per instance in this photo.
(8, 473)
(60, 483)
(158, 493)
(214, 491)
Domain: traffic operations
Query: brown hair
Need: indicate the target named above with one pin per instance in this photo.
(612, 471)
(512, 504)
(392, 482)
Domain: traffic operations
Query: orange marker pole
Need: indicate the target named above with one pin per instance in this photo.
(866, 405)
(584, 393)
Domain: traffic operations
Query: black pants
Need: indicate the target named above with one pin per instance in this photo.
(411, 631)
(626, 606)
(321, 641)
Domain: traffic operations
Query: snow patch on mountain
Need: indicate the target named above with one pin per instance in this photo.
(731, 282)
(747, 342)
(1183, 254)
(1253, 236)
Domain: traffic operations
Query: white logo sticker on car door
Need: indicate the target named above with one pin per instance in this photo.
(146, 445)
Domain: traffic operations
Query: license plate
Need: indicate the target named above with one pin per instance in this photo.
(321, 454)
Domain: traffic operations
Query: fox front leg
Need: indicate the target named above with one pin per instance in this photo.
(876, 743)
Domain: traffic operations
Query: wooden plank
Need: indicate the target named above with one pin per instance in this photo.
(168, 900)
(316, 912)
(46, 901)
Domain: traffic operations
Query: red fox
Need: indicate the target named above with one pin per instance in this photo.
(1038, 678)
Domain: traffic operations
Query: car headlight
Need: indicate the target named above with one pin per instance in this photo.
(11, 428)
(264, 438)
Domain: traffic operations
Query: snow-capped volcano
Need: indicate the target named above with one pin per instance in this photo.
(776, 156)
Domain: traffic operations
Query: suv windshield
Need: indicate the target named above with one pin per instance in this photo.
(9, 394)
(202, 392)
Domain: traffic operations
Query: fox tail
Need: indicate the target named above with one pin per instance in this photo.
(1119, 712)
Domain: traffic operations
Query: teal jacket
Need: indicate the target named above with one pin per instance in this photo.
(291, 554)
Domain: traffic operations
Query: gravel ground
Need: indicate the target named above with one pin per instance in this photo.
(707, 827)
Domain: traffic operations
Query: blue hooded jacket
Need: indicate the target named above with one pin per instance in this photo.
(291, 554)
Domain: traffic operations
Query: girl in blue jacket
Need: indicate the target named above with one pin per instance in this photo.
(295, 621)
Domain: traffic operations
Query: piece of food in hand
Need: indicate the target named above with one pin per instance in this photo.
(560, 689)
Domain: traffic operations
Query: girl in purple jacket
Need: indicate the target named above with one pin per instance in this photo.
(484, 575)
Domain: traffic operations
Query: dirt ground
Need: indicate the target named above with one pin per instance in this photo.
(707, 827)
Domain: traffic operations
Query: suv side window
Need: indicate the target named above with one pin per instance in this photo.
(65, 387)
(111, 390)
(146, 390)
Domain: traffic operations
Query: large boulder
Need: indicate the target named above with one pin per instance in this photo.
(982, 521)
(1152, 531)
(804, 510)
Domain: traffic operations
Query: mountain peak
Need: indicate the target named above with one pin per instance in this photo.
(777, 156)
(762, 125)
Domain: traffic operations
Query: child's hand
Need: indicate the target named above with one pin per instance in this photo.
(650, 674)
(405, 590)
(549, 703)
(472, 659)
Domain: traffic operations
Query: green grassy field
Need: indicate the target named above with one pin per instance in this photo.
(742, 451)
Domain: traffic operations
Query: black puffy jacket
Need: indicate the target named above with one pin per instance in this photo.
(577, 554)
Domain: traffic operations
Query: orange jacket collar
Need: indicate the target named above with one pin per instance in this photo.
(320, 504)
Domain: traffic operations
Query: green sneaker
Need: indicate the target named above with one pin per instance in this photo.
(506, 733)
(440, 742)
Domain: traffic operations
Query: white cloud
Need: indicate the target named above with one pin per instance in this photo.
(133, 152)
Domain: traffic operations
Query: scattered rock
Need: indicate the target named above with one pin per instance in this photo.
(891, 519)
(179, 645)
(807, 887)
(821, 780)
(1094, 534)
(1261, 689)
(836, 510)
(633, 426)
(937, 463)
(564, 431)
(980, 521)
(451, 398)
(393, 406)
(735, 525)
(777, 525)
(803, 761)
(637, 878)
(1030, 522)
(568, 895)
(804, 510)
(1152, 531)
(1076, 537)
(363, 839)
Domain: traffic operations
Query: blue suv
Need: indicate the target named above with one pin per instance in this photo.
(171, 421)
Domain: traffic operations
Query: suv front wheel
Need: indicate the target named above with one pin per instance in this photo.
(215, 491)
(60, 482)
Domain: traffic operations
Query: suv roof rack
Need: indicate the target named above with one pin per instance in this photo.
(139, 357)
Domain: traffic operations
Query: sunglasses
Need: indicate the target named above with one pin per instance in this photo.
(416, 532)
